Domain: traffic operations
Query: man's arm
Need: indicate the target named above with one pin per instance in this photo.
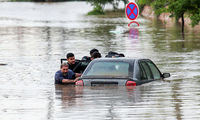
(75, 75)
(60, 80)
(69, 81)
(78, 75)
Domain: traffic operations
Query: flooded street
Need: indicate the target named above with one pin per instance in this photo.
(35, 36)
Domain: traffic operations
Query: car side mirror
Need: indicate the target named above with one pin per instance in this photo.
(166, 75)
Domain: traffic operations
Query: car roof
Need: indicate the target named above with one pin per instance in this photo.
(120, 59)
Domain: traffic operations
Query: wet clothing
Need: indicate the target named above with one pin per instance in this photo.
(85, 61)
(59, 76)
(86, 58)
(77, 67)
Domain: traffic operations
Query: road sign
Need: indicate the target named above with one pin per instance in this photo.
(132, 11)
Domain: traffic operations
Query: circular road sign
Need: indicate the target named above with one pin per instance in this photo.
(132, 11)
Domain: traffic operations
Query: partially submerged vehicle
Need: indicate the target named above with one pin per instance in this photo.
(120, 71)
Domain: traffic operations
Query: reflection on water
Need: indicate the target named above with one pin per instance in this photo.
(68, 94)
(143, 102)
(36, 35)
(93, 102)
(133, 34)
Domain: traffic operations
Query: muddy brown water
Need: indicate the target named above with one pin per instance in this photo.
(34, 36)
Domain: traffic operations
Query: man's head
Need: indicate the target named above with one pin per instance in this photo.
(112, 54)
(95, 55)
(121, 55)
(70, 58)
(92, 51)
(64, 68)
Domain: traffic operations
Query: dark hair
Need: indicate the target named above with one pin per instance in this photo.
(121, 55)
(96, 55)
(93, 50)
(114, 54)
(64, 64)
(111, 54)
(69, 55)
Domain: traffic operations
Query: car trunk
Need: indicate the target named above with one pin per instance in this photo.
(104, 82)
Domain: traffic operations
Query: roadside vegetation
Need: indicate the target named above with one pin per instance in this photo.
(177, 8)
(112, 14)
(99, 5)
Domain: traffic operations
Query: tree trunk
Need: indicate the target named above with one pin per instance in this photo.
(183, 22)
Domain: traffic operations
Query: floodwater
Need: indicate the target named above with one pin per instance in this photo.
(34, 36)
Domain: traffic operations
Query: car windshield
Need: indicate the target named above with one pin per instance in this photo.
(111, 69)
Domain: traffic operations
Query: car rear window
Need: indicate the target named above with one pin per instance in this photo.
(112, 69)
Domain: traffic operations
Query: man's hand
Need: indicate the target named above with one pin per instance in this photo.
(76, 79)
(78, 74)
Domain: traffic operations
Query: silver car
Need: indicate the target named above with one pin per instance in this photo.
(120, 71)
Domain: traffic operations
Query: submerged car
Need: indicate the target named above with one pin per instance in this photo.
(120, 71)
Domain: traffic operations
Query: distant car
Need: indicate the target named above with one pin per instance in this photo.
(120, 71)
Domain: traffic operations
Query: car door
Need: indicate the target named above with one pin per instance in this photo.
(145, 71)
(155, 71)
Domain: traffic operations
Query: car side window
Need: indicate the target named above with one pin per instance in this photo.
(154, 69)
(147, 70)
(142, 73)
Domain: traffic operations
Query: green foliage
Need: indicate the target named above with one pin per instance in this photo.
(159, 6)
(142, 3)
(195, 18)
(195, 12)
(190, 7)
(100, 4)
(177, 8)
(97, 10)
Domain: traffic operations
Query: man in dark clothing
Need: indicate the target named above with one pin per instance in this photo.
(91, 52)
(65, 75)
(95, 55)
(84, 63)
(74, 65)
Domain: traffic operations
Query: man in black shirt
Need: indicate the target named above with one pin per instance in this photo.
(74, 65)
(91, 52)
(85, 63)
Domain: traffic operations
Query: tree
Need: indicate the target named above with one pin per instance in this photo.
(98, 6)
(177, 8)
(195, 12)
(190, 7)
